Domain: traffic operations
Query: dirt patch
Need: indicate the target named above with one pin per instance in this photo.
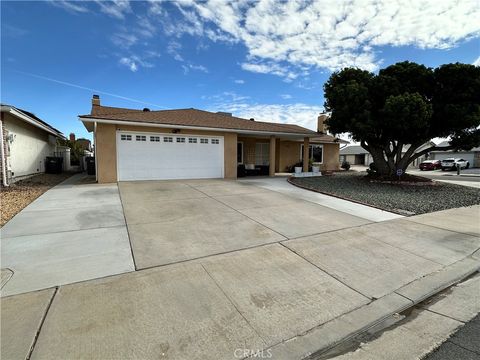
(18, 195)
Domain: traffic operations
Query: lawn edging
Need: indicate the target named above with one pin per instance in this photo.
(289, 180)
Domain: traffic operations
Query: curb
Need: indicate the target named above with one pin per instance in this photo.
(344, 198)
(341, 330)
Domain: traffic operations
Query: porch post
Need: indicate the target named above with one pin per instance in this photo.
(271, 167)
(306, 146)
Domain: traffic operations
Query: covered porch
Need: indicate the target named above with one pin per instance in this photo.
(268, 155)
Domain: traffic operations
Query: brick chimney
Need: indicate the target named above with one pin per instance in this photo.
(96, 100)
(321, 127)
(72, 137)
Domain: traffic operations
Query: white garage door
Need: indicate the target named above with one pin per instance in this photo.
(154, 156)
(466, 156)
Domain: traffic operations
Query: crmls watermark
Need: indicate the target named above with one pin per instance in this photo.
(253, 353)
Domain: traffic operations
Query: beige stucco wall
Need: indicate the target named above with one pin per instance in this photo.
(331, 154)
(230, 155)
(290, 154)
(106, 151)
(30, 146)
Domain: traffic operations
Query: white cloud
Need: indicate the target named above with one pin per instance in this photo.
(187, 67)
(124, 39)
(239, 81)
(173, 49)
(270, 68)
(286, 96)
(300, 114)
(114, 8)
(134, 62)
(130, 63)
(70, 6)
(284, 37)
(477, 62)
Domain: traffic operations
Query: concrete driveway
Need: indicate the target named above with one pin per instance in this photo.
(71, 233)
(172, 221)
(224, 267)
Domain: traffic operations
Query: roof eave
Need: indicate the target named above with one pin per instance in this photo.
(18, 114)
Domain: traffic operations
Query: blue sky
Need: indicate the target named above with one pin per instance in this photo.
(266, 60)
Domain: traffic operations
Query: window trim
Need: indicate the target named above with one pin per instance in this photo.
(179, 140)
(170, 139)
(141, 138)
(311, 146)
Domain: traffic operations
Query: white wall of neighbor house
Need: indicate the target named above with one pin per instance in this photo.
(27, 148)
(469, 156)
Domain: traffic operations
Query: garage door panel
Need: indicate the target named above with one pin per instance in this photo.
(160, 160)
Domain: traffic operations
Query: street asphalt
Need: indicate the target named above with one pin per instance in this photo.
(463, 345)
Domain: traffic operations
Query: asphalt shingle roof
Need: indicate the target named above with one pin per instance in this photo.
(193, 117)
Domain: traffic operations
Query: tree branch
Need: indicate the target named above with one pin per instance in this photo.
(427, 150)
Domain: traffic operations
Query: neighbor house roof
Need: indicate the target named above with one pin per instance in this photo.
(32, 119)
(353, 150)
(447, 143)
(191, 118)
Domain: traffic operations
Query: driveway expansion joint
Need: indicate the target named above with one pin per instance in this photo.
(42, 321)
(326, 272)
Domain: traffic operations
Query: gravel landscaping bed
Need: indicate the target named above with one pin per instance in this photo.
(18, 195)
(401, 199)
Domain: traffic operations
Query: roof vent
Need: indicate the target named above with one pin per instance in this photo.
(252, 119)
(224, 113)
(146, 109)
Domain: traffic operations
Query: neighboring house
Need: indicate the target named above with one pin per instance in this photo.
(357, 155)
(26, 142)
(83, 143)
(472, 156)
(190, 143)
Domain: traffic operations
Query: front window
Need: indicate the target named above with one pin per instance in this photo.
(240, 153)
(262, 154)
(315, 153)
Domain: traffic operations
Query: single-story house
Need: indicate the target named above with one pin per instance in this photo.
(26, 141)
(472, 155)
(135, 144)
(357, 155)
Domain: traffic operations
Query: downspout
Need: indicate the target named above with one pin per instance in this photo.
(4, 173)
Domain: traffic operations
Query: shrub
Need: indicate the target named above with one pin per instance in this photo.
(345, 165)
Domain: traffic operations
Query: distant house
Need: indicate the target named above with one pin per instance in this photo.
(357, 155)
(472, 156)
(26, 141)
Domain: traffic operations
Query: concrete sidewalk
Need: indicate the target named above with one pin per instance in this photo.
(282, 186)
(290, 299)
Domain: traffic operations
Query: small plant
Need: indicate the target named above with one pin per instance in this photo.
(345, 165)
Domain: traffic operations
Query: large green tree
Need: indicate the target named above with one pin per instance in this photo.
(405, 104)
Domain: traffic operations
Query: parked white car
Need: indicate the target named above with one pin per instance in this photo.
(454, 163)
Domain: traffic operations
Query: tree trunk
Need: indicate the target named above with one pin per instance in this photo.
(384, 166)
